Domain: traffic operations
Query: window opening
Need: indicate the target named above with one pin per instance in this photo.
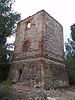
(20, 73)
(28, 25)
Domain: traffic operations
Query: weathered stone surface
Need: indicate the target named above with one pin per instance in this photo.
(39, 72)
(38, 57)
(30, 93)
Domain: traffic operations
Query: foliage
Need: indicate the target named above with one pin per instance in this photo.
(73, 32)
(70, 65)
(8, 20)
(70, 47)
(6, 91)
(70, 56)
(4, 69)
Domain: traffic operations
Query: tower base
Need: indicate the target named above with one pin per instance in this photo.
(39, 72)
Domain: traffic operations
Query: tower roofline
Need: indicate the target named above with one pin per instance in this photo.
(38, 13)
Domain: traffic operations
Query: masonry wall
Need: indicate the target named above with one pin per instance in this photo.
(32, 35)
(38, 58)
(53, 39)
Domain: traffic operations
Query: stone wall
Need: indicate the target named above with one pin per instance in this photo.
(38, 58)
(53, 39)
(32, 34)
(39, 72)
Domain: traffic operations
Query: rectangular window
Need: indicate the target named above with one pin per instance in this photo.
(28, 25)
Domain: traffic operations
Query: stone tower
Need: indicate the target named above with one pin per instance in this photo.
(38, 58)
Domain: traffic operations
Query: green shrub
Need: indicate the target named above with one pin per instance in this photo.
(70, 65)
(4, 70)
(6, 90)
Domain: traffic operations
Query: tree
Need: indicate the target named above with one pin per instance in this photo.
(8, 19)
(70, 56)
(70, 45)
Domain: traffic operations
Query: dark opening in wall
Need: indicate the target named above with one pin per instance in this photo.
(20, 73)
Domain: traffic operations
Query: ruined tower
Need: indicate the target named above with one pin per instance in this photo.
(38, 58)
